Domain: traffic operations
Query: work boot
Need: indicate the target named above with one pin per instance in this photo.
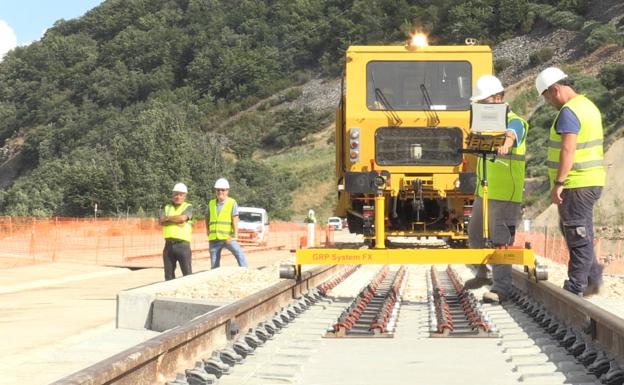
(477, 282)
(494, 297)
(592, 289)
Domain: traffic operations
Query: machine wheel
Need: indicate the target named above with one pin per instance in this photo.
(288, 271)
(541, 273)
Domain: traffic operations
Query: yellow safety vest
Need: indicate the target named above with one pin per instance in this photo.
(180, 231)
(506, 174)
(588, 167)
(221, 224)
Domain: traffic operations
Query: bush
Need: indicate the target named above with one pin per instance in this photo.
(502, 64)
(592, 88)
(566, 20)
(527, 99)
(540, 56)
(542, 10)
(600, 35)
(527, 22)
(612, 76)
(292, 94)
(580, 7)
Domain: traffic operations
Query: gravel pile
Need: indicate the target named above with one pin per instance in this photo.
(238, 284)
(352, 286)
(416, 289)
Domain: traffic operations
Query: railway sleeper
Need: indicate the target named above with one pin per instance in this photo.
(262, 335)
(291, 313)
(458, 314)
(252, 340)
(179, 380)
(284, 317)
(268, 326)
(596, 361)
(242, 348)
(278, 322)
(199, 376)
(215, 365)
(230, 357)
(615, 375)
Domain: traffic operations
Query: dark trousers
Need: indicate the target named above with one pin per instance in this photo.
(176, 251)
(576, 224)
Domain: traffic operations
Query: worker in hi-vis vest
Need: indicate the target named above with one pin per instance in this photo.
(176, 221)
(577, 174)
(222, 225)
(505, 175)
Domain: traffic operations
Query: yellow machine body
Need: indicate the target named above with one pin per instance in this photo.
(403, 116)
(403, 120)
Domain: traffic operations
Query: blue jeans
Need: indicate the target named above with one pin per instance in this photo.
(215, 248)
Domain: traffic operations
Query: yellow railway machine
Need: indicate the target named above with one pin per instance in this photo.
(402, 126)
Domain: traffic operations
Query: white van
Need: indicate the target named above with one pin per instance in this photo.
(253, 224)
(335, 222)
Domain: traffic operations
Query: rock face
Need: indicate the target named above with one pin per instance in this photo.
(320, 95)
(566, 45)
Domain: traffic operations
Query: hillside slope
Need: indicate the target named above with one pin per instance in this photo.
(112, 108)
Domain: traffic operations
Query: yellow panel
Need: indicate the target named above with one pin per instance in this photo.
(415, 256)
(358, 115)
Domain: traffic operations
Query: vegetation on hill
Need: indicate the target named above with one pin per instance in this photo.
(114, 107)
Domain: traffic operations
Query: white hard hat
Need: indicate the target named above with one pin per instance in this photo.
(547, 78)
(487, 85)
(180, 187)
(222, 183)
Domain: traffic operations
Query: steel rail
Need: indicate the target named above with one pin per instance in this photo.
(605, 328)
(158, 359)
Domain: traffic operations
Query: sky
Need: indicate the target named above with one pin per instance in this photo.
(25, 21)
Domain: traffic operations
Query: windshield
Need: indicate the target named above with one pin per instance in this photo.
(250, 217)
(418, 85)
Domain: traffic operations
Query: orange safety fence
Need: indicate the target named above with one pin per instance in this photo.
(117, 241)
(110, 241)
(548, 242)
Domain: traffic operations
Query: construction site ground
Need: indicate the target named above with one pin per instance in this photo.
(59, 317)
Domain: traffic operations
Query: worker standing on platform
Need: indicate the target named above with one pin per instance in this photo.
(176, 221)
(577, 174)
(222, 225)
(505, 174)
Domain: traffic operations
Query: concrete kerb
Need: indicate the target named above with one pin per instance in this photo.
(168, 313)
(135, 307)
